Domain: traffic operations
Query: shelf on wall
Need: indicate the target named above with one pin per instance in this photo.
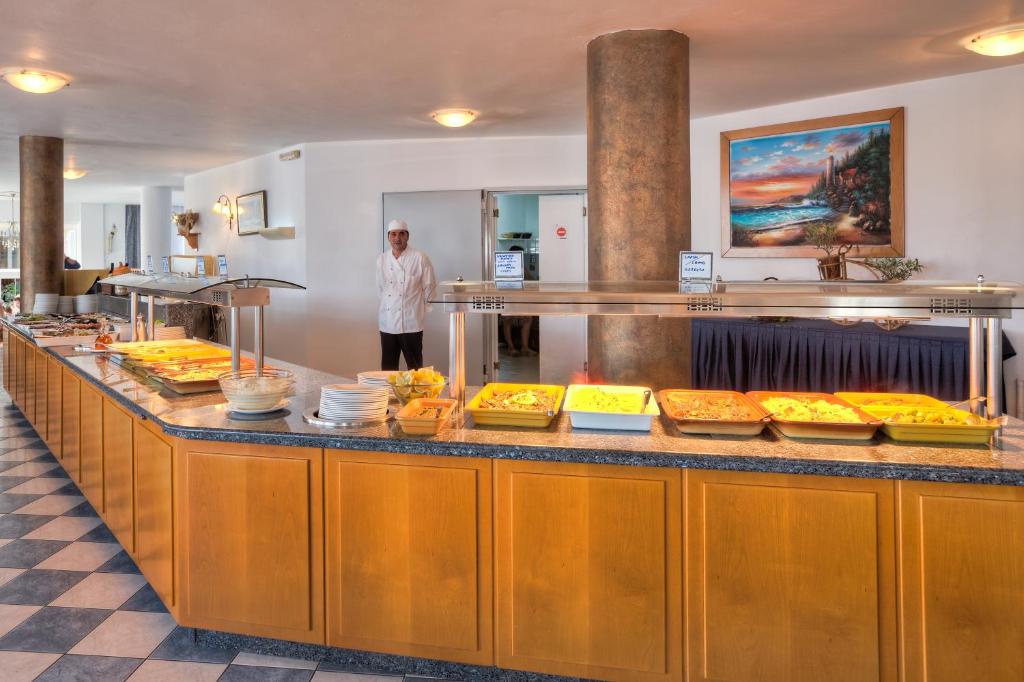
(278, 233)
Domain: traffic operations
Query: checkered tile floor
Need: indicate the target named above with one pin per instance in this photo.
(73, 605)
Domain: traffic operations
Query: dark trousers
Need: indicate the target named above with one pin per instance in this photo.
(410, 345)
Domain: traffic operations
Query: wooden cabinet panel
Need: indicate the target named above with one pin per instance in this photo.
(962, 582)
(251, 539)
(22, 373)
(29, 391)
(40, 393)
(588, 570)
(90, 449)
(70, 425)
(409, 555)
(790, 578)
(7, 358)
(118, 474)
(154, 509)
(54, 386)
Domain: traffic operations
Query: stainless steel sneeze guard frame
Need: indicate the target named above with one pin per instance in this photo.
(985, 304)
(228, 292)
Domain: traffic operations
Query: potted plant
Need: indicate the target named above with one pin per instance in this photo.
(825, 236)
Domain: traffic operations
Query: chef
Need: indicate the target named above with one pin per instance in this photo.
(405, 281)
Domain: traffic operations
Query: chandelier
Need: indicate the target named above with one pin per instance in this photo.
(10, 231)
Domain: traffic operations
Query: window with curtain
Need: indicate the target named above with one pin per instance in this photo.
(132, 248)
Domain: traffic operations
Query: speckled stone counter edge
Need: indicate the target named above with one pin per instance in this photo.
(780, 465)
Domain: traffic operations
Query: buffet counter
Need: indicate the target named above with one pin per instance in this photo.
(554, 551)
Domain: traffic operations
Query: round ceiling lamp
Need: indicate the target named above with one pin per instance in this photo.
(454, 118)
(34, 80)
(74, 173)
(998, 42)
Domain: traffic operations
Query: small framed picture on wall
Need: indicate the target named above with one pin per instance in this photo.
(251, 210)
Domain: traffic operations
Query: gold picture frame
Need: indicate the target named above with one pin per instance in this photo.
(777, 180)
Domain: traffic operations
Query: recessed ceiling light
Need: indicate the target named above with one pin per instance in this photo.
(34, 80)
(454, 118)
(74, 173)
(998, 42)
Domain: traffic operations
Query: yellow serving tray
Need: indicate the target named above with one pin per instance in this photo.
(490, 417)
(864, 400)
(967, 434)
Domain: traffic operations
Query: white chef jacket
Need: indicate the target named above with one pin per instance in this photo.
(404, 286)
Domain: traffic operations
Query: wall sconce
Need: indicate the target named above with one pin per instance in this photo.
(225, 209)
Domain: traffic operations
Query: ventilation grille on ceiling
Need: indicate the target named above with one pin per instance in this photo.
(704, 304)
(488, 303)
(952, 306)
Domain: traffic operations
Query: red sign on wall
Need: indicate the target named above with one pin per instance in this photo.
(560, 232)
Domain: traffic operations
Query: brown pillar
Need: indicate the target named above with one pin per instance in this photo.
(638, 180)
(42, 217)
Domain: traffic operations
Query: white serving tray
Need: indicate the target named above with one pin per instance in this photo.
(586, 419)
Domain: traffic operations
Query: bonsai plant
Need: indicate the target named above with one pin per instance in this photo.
(825, 236)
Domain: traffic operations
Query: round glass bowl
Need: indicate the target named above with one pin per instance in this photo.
(250, 391)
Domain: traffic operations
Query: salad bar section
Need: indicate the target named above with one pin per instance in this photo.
(670, 535)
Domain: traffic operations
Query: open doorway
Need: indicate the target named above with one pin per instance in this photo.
(550, 227)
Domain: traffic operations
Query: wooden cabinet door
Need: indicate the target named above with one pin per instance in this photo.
(790, 578)
(154, 509)
(7, 358)
(962, 582)
(40, 396)
(90, 449)
(251, 539)
(118, 474)
(409, 555)
(588, 570)
(22, 373)
(29, 392)
(70, 424)
(54, 386)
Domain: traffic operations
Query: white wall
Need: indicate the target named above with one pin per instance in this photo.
(285, 184)
(345, 184)
(91, 237)
(964, 179)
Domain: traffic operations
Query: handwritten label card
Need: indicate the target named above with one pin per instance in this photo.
(696, 266)
(508, 265)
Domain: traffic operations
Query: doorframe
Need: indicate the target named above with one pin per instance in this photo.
(489, 227)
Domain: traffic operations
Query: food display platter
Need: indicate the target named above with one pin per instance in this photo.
(863, 429)
(617, 408)
(528, 405)
(866, 401)
(727, 413)
(414, 423)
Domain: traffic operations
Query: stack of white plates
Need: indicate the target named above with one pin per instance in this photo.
(353, 403)
(87, 303)
(46, 304)
(167, 333)
(66, 306)
(378, 378)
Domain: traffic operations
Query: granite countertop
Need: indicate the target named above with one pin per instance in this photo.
(204, 417)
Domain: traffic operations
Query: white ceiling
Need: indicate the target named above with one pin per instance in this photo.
(163, 88)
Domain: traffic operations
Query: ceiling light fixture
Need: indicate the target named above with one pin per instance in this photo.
(74, 173)
(454, 118)
(998, 42)
(35, 81)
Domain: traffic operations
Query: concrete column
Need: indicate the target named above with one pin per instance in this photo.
(155, 229)
(42, 217)
(638, 180)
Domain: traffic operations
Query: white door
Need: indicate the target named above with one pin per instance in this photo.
(446, 226)
(562, 224)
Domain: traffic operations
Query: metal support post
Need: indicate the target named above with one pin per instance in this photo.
(258, 343)
(994, 373)
(133, 312)
(151, 318)
(236, 322)
(457, 359)
(976, 349)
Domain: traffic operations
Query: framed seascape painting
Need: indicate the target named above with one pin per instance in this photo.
(251, 210)
(844, 172)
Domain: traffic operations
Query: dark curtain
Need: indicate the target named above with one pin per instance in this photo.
(816, 355)
(132, 247)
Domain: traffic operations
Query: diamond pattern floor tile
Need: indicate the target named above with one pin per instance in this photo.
(53, 629)
(24, 666)
(172, 671)
(127, 633)
(248, 673)
(64, 528)
(101, 591)
(28, 553)
(80, 556)
(39, 587)
(53, 505)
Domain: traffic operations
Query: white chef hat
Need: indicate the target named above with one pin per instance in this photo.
(396, 225)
